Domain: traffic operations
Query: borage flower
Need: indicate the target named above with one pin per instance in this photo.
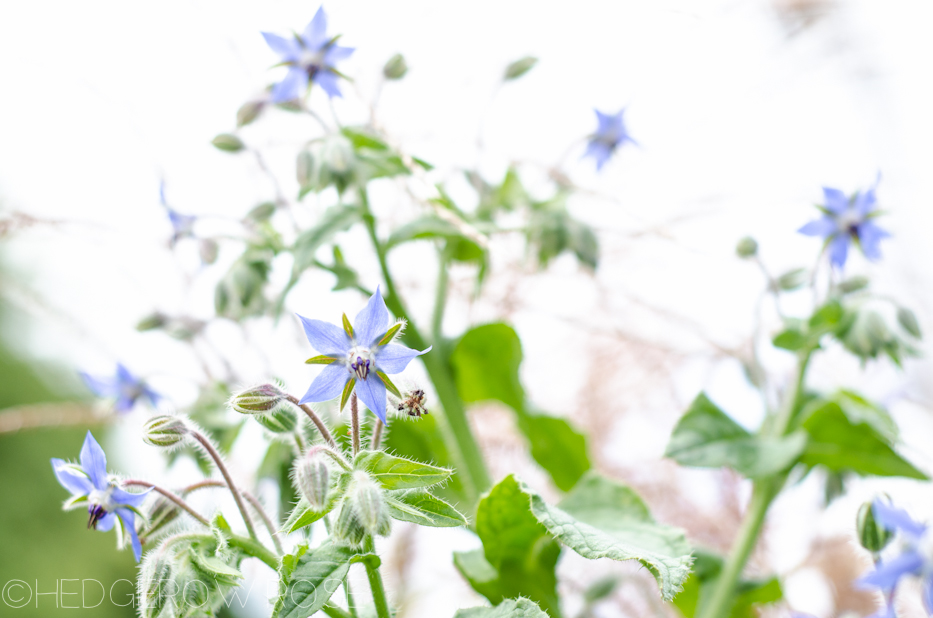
(846, 220)
(610, 134)
(124, 387)
(359, 357)
(915, 557)
(309, 56)
(182, 225)
(89, 485)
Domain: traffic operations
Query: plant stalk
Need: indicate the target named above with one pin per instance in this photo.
(173, 497)
(355, 422)
(375, 583)
(321, 427)
(237, 496)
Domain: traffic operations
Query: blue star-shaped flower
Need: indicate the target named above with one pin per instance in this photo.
(362, 353)
(916, 557)
(90, 485)
(310, 56)
(182, 225)
(845, 221)
(610, 134)
(124, 387)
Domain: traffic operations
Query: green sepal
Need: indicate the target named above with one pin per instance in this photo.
(392, 388)
(323, 359)
(390, 334)
(347, 326)
(347, 389)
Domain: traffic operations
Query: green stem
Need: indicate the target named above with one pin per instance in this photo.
(476, 478)
(440, 299)
(764, 492)
(375, 583)
(355, 423)
(335, 612)
(254, 549)
(234, 491)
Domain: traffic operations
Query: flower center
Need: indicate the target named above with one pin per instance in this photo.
(361, 361)
(312, 61)
(99, 504)
(849, 222)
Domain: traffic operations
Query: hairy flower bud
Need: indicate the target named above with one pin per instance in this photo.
(313, 478)
(257, 400)
(278, 421)
(370, 507)
(165, 430)
(747, 247)
(396, 67)
(873, 536)
(156, 585)
(162, 513)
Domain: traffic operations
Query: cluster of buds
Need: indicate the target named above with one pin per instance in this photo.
(363, 511)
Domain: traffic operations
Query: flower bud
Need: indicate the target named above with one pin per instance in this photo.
(165, 430)
(152, 322)
(249, 112)
(281, 420)
(396, 67)
(853, 284)
(370, 507)
(520, 67)
(228, 143)
(792, 279)
(313, 478)
(873, 536)
(162, 513)
(747, 247)
(347, 528)
(257, 400)
(208, 250)
(156, 585)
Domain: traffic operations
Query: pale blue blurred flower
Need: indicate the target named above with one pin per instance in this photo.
(308, 56)
(360, 357)
(89, 485)
(125, 388)
(610, 134)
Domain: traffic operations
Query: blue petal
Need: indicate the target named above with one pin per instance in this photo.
(869, 236)
(326, 338)
(897, 519)
(102, 387)
(865, 201)
(887, 574)
(599, 151)
(824, 226)
(928, 594)
(838, 250)
(328, 82)
(124, 377)
(372, 321)
(336, 53)
(835, 200)
(287, 49)
(393, 358)
(129, 523)
(372, 392)
(291, 85)
(129, 499)
(315, 33)
(328, 384)
(73, 481)
(124, 403)
(604, 122)
(94, 462)
(105, 523)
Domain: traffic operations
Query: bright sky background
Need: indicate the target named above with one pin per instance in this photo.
(740, 120)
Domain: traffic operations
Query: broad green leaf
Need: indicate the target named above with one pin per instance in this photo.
(485, 363)
(393, 472)
(426, 227)
(841, 444)
(421, 507)
(557, 447)
(908, 321)
(791, 339)
(213, 566)
(601, 518)
(313, 580)
(304, 515)
(551, 231)
(860, 410)
(335, 219)
(512, 608)
(422, 439)
(482, 576)
(749, 593)
(706, 437)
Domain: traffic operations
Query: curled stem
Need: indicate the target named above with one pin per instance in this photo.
(321, 427)
(355, 423)
(237, 496)
(173, 497)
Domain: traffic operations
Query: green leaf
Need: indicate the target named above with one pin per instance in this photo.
(841, 444)
(426, 227)
(705, 437)
(520, 67)
(313, 580)
(512, 608)
(485, 363)
(393, 472)
(334, 220)
(827, 317)
(792, 279)
(214, 566)
(228, 143)
(304, 515)
(860, 410)
(791, 339)
(551, 231)
(908, 321)
(601, 518)
(557, 447)
(419, 506)
(423, 440)
(749, 593)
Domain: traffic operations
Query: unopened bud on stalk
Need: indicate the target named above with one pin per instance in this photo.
(747, 247)
(165, 430)
(367, 500)
(396, 67)
(873, 536)
(257, 400)
(156, 585)
(313, 478)
(281, 420)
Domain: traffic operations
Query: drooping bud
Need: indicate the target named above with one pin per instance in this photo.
(165, 430)
(281, 420)
(313, 478)
(370, 507)
(257, 400)
(747, 248)
(228, 143)
(873, 536)
(396, 67)
(156, 585)
(792, 279)
(347, 528)
(248, 112)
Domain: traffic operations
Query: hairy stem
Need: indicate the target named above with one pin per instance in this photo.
(375, 583)
(257, 506)
(476, 476)
(237, 496)
(377, 436)
(255, 549)
(355, 422)
(321, 427)
(173, 497)
(764, 492)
